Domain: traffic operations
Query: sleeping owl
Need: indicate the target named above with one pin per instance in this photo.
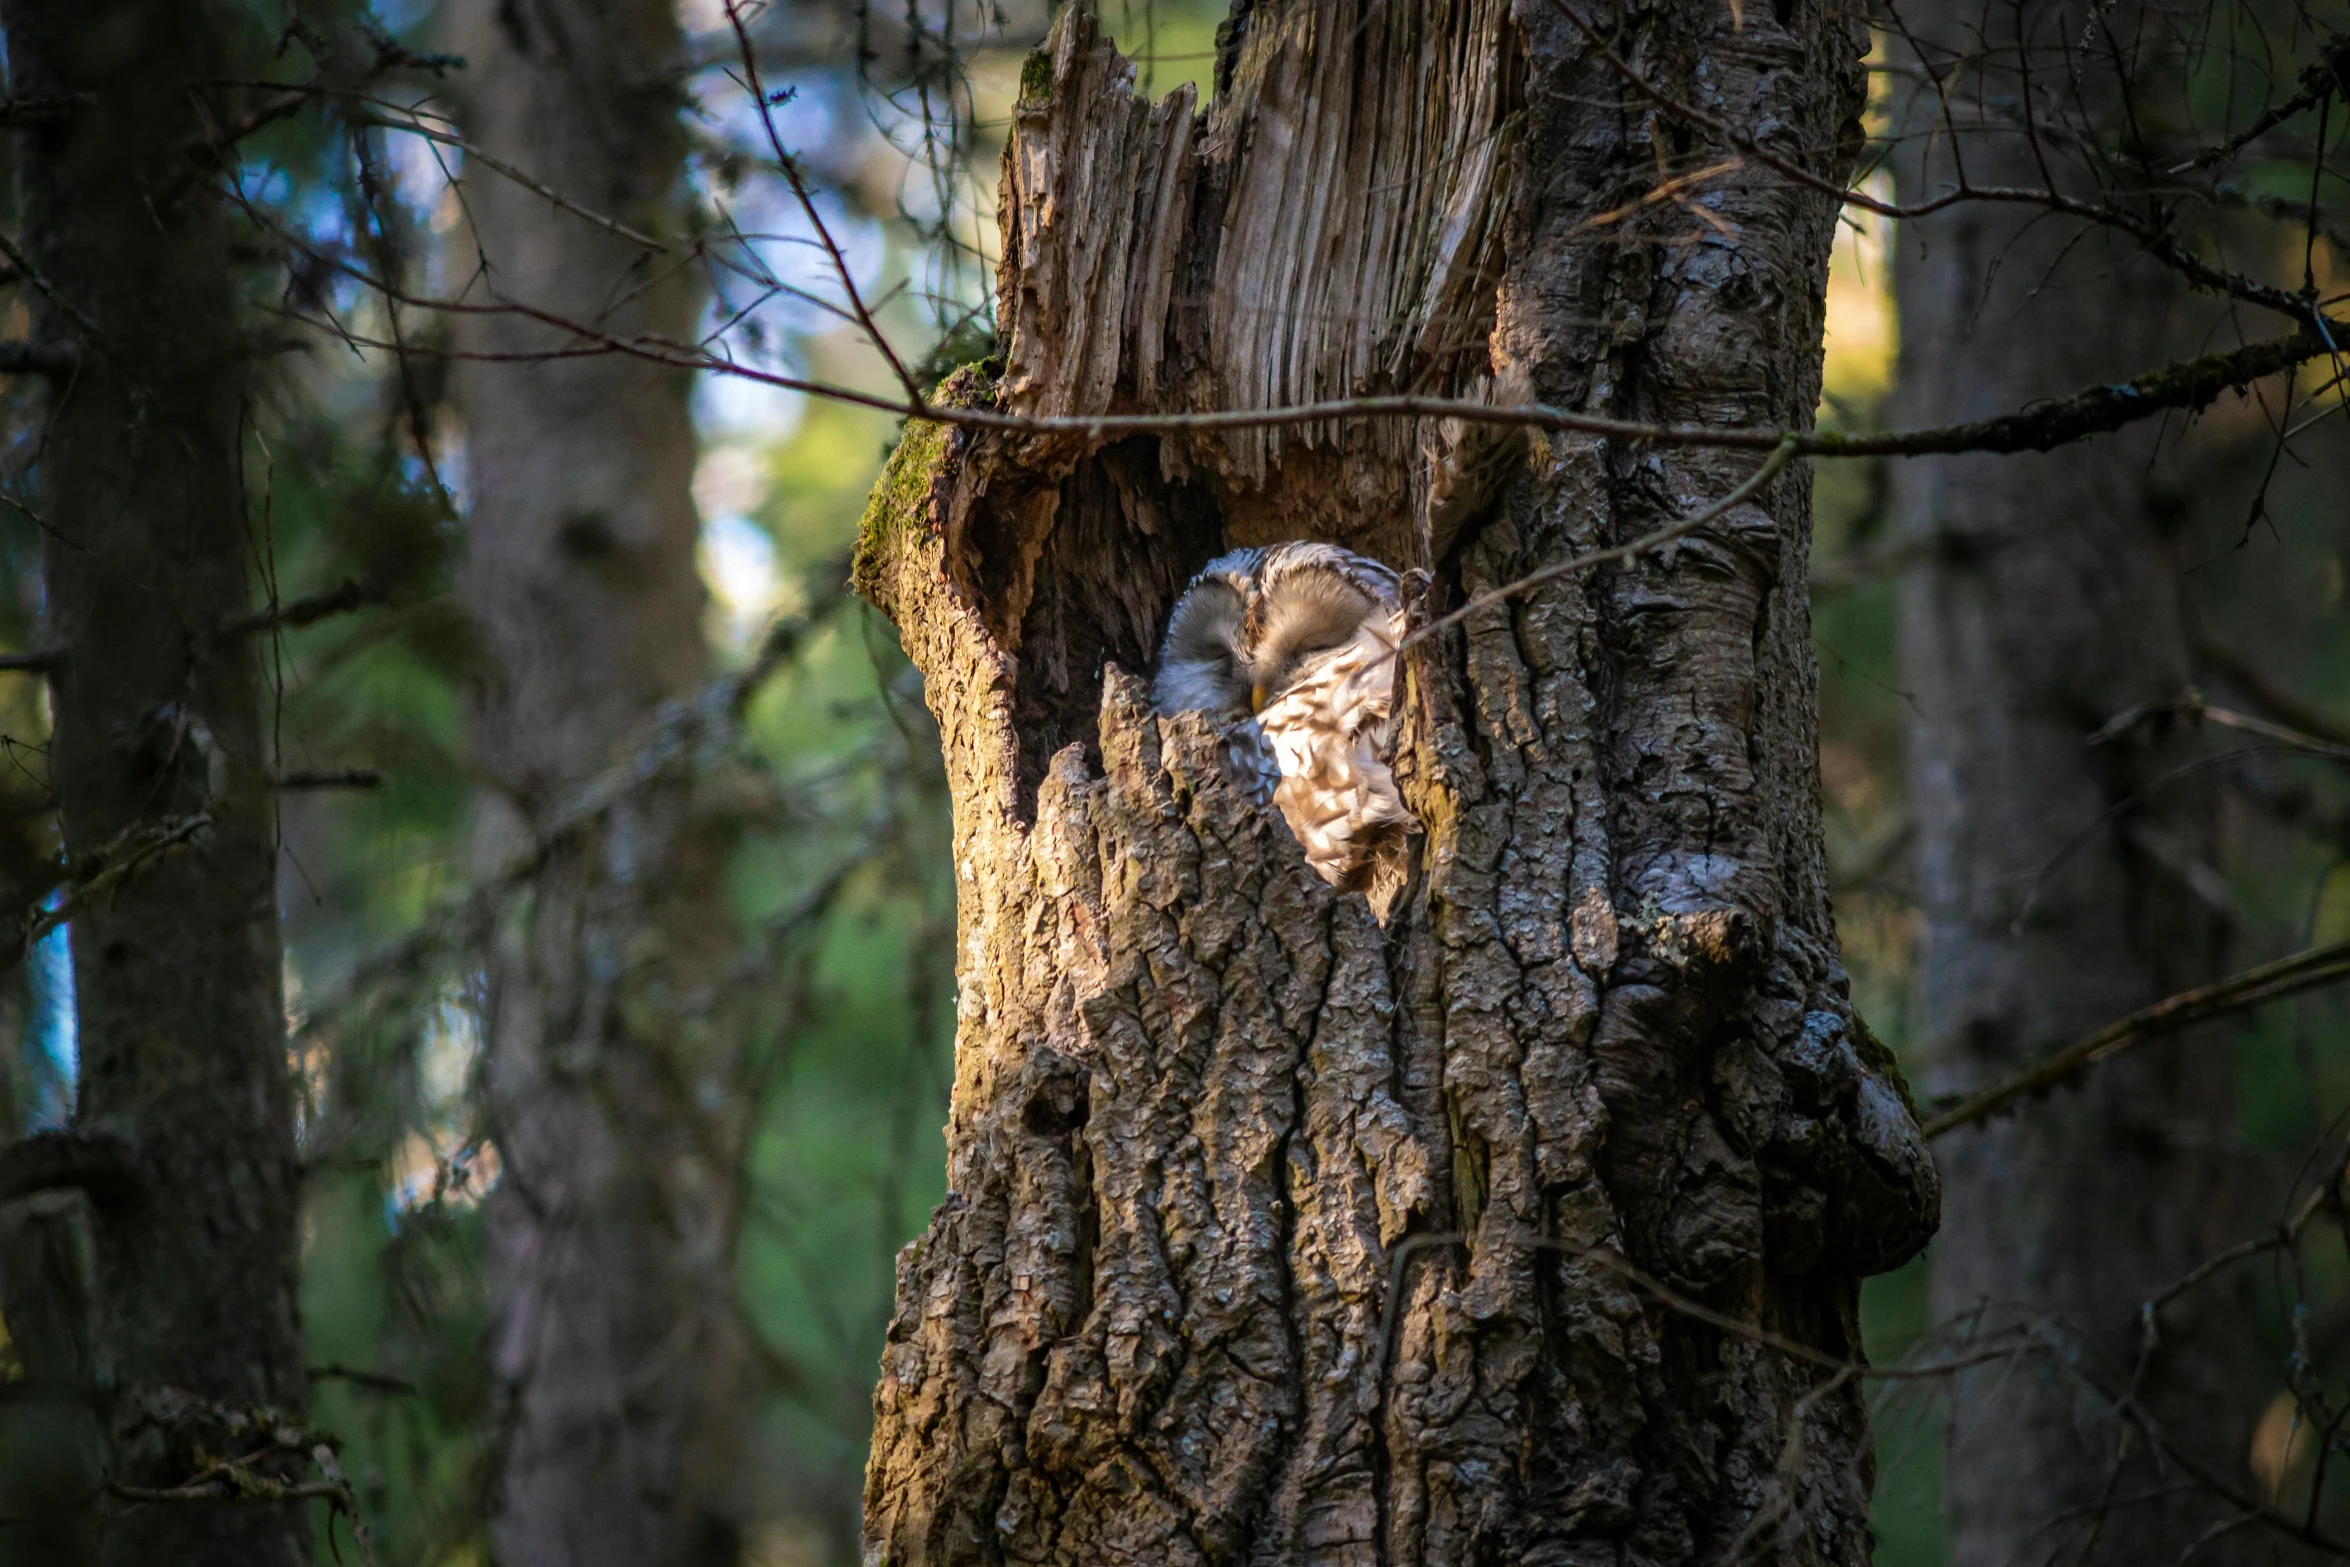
(1292, 649)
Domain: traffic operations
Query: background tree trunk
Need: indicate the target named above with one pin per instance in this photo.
(2064, 884)
(620, 1361)
(1277, 1233)
(182, 1134)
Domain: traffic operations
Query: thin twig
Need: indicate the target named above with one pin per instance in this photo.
(2319, 82)
(349, 595)
(2265, 692)
(548, 193)
(2309, 970)
(2186, 386)
(125, 856)
(1621, 553)
(330, 778)
(39, 359)
(1677, 1303)
(373, 1381)
(2270, 730)
(799, 188)
(2286, 1235)
(2096, 410)
(2154, 239)
(45, 111)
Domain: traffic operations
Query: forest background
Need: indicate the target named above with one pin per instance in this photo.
(842, 866)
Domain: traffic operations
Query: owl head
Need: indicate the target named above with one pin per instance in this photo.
(1253, 621)
(1292, 649)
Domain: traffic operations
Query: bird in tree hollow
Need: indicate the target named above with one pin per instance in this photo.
(1292, 650)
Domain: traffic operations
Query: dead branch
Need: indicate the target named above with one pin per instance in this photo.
(330, 778)
(2309, 970)
(2153, 237)
(131, 851)
(2265, 692)
(349, 595)
(1619, 554)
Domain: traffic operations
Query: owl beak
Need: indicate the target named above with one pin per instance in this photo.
(1256, 697)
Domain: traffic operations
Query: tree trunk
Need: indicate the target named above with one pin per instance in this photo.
(182, 1135)
(1278, 1232)
(620, 1363)
(2064, 884)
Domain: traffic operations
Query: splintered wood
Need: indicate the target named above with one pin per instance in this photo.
(1331, 228)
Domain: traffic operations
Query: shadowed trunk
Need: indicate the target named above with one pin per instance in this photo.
(620, 1363)
(1278, 1233)
(2064, 884)
(177, 1312)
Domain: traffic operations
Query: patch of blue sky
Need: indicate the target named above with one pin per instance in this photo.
(264, 182)
(805, 110)
(739, 565)
(398, 16)
(776, 282)
(53, 1041)
(737, 408)
(319, 215)
(422, 169)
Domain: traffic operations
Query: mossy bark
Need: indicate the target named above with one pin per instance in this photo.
(1271, 1222)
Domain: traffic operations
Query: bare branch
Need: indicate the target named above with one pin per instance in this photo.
(2318, 83)
(799, 188)
(2190, 707)
(331, 778)
(2286, 1234)
(2200, 710)
(68, 1159)
(2265, 692)
(43, 359)
(1681, 1305)
(130, 852)
(18, 112)
(554, 197)
(2154, 238)
(349, 595)
(2308, 970)
(1681, 529)
(373, 1381)
(2186, 386)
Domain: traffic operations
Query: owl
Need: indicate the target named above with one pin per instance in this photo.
(1292, 649)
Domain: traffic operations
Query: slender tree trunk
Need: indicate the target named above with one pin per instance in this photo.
(2059, 879)
(1278, 1233)
(620, 1363)
(182, 1135)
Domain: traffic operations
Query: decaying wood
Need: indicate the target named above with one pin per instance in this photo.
(1203, 1104)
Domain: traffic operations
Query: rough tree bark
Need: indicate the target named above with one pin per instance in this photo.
(2063, 884)
(621, 1368)
(182, 1135)
(1209, 1113)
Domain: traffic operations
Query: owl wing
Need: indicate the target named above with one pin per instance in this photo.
(1328, 734)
